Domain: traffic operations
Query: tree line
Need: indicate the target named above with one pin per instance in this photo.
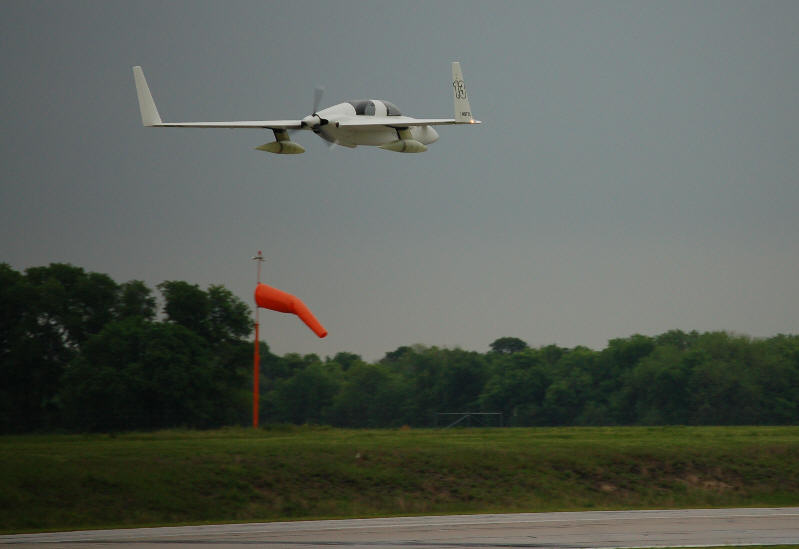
(81, 352)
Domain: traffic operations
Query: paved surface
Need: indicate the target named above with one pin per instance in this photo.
(694, 527)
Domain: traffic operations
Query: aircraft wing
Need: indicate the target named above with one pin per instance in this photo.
(271, 124)
(398, 121)
(150, 116)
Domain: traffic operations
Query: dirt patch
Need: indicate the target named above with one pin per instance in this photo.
(712, 485)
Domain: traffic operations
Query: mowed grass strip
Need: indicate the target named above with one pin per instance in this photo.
(232, 475)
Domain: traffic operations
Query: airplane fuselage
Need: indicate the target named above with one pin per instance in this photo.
(351, 136)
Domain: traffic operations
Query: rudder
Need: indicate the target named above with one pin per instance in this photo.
(463, 111)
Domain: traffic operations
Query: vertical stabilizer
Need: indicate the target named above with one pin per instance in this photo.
(463, 112)
(149, 113)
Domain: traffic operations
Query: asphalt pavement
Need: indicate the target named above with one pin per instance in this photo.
(596, 529)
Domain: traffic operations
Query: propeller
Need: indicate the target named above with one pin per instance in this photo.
(317, 97)
(314, 121)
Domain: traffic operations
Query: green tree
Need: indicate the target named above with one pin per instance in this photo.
(221, 320)
(135, 300)
(655, 390)
(372, 395)
(421, 367)
(307, 396)
(73, 303)
(49, 313)
(777, 366)
(142, 375)
(561, 403)
(26, 387)
(228, 316)
(216, 315)
(463, 375)
(517, 387)
(397, 355)
(508, 345)
(571, 388)
(347, 360)
(187, 305)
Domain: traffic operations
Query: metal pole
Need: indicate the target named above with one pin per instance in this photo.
(255, 367)
(256, 359)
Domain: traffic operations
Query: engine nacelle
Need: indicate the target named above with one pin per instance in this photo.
(404, 146)
(424, 134)
(282, 147)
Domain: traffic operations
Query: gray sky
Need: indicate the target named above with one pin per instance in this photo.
(636, 171)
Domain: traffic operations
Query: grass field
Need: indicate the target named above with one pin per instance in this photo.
(231, 475)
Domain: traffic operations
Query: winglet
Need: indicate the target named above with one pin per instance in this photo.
(463, 112)
(149, 113)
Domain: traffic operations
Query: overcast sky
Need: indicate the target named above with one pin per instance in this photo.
(637, 169)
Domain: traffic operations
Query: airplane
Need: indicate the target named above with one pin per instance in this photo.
(368, 122)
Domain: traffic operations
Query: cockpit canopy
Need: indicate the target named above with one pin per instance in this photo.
(375, 108)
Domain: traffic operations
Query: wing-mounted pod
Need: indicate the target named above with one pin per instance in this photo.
(282, 144)
(405, 144)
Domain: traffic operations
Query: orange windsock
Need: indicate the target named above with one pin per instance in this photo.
(268, 297)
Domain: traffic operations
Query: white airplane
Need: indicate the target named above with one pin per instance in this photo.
(370, 122)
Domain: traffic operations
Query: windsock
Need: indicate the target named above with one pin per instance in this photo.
(268, 297)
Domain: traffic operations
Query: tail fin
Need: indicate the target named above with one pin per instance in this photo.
(149, 113)
(463, 112)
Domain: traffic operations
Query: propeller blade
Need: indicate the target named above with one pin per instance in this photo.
(317, 98)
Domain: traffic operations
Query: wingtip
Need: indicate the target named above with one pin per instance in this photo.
(149, 112)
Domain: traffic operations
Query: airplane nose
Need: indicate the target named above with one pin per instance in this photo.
(310, 121)
(313, 121)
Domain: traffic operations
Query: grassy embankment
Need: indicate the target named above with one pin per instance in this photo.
(88, 481)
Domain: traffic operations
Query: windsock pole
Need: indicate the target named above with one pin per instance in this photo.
(256, 359)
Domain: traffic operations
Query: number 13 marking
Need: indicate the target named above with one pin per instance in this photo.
(460, 89)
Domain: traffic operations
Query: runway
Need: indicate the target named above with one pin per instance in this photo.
(597, 529)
